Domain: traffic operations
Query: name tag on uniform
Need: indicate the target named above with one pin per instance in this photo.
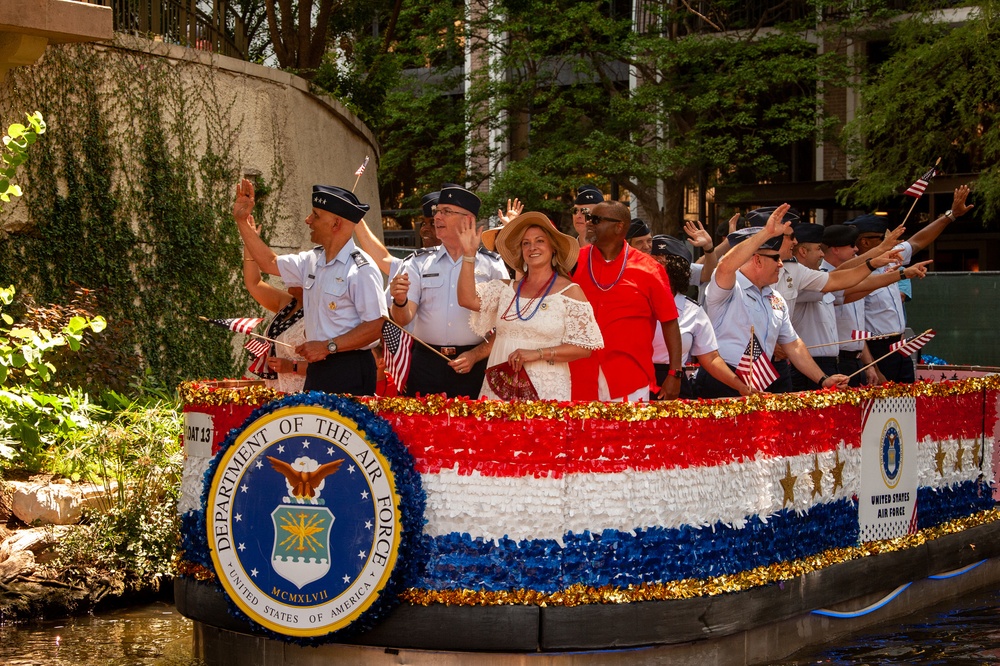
(430, 275)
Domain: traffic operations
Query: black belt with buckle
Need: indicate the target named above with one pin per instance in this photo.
(448, 351)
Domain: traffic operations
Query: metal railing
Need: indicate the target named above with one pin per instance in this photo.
(183, 22)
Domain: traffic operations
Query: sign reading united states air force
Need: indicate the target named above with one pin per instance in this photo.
(303, 521)
(887, 500)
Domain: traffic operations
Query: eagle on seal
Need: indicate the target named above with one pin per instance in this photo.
(303, 484)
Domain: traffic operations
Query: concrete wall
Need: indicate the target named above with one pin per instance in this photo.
(283, 131)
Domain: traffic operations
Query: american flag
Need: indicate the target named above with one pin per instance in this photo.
(361, 169)
(260, 350)
(239, 324)
(860, 335)
(917, 189)
(908, 347)
(398, 344)
(755, 368)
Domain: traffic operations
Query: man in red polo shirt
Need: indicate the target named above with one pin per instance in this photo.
(630, 294)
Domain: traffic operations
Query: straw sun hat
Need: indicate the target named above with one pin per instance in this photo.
(508, 241)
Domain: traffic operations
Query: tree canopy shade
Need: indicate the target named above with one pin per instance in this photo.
(937, 95)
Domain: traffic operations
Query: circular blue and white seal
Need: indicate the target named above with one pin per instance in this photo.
(891, 453)
(303, 520)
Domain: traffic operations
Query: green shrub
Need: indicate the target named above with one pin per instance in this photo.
(137, 458)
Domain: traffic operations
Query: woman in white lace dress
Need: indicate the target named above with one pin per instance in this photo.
(282, 369)
(543, 321)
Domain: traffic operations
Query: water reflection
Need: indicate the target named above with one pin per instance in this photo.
(966, 631)
(153, 635)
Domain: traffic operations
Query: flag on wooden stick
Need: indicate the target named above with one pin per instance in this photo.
(398, 345)
(860, 335)
(917, 189)
(755, 368)
(238, 324)
(914, 344)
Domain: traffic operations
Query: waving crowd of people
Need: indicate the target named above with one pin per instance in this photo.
(525, 311)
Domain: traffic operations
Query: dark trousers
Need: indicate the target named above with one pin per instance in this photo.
(687, 389)
(848, 363)
(895, 367)
(429, 373)
(344, 372)
(783, 384)
(828, 364)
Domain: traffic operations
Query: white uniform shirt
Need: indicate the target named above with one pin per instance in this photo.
(884, 307)
(733, 311)
(697, 334)
(337, 295)
(794, 278)
(815, 319)
(440, 320)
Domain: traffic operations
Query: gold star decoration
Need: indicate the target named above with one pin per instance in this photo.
(788, 484)
(838, 473)
(939, 460)
(976, 452)
(817, 477)
(958, 456)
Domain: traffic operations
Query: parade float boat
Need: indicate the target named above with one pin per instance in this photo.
(394, 530)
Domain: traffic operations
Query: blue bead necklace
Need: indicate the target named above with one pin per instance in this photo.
(517, 300)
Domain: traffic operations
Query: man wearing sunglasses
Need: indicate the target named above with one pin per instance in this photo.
(630, 294)
(587, 196)
(739, 297)
(794, 278)
(425, 292)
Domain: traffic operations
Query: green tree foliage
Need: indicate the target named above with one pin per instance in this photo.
(15, 151)
(36, 415)
(717, 98)
(937, 95)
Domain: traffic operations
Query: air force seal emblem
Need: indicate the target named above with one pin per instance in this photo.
(303, 521)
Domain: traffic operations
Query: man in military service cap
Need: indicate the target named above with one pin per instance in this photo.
(587, 196)
(884, 312)
(739, 297)
(342, 289)
(425, 293)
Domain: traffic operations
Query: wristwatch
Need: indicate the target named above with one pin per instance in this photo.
(331, 347)
(673, 373)
(950, 214)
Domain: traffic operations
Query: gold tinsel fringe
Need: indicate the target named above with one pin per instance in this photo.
(210, 393)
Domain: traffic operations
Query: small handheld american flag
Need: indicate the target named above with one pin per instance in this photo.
(398, 346)
(238, 324)
(755, 368)
(361, 169)
(914, 344)
(917, 189)
(860, 335)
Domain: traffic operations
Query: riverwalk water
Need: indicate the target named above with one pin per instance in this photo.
(965, 631)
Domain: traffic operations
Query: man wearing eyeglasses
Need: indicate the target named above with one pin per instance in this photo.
(794, 278)
(587, 196)
(739, 297)
(630, 294)
(425, 292)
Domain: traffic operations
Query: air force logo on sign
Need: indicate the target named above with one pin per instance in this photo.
(891, 453)
(303, 521)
